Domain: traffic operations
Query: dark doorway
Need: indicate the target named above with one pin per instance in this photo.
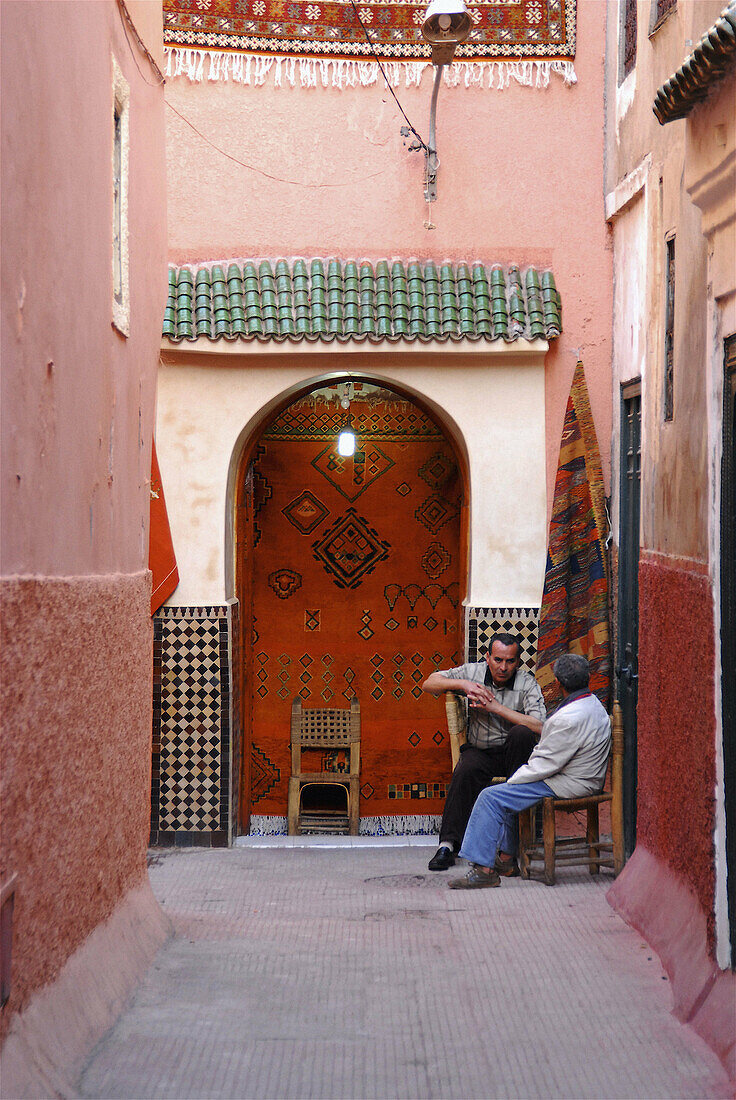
(728, 624)
(627, 664)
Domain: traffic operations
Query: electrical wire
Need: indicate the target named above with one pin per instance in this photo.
(369, 40)
(260, 171)
(128, 22)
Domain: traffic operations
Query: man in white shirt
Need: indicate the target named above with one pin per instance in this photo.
(569, 762)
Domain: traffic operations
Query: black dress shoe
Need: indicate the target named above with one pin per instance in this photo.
(442, 860)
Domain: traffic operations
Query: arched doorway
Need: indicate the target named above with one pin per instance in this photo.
(351, 577)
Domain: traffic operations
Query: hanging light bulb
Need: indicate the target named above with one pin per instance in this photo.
(346, 441)
(346, 438)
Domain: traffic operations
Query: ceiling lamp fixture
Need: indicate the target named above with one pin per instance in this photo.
(346, 438)
(446, 26)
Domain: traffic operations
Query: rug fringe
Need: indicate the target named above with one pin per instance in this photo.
(310, 72)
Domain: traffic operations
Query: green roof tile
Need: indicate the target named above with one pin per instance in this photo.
(334, 300)
(713, 56)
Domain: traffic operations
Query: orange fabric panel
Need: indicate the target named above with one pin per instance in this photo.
(356, 591)
(161, 558)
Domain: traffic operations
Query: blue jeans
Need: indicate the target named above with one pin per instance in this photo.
(492, 825)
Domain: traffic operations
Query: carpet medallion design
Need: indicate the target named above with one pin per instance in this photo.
(350, 549)
(264, 775)
(437, 471)
(306, 512)
(435, 560)
(435, 512)
(352, 476)
(284, 582)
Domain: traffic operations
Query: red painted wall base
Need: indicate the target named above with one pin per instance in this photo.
(677, 721)
(666, 912)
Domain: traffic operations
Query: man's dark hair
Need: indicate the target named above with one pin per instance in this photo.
(573, 671)
(505, 639)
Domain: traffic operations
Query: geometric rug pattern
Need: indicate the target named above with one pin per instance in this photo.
(367, 619)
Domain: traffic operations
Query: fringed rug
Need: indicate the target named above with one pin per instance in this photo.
(324, 41)
(574, 613)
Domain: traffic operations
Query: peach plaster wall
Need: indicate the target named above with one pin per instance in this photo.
(77, 419)
(521, 181)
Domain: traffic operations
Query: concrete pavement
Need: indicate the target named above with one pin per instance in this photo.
(354, 972)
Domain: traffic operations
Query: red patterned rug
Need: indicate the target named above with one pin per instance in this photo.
(325, 41)
(574, 613)
(355, 592)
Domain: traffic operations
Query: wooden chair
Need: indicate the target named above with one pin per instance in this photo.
(325, 728)
(589, 850)
(457, 723)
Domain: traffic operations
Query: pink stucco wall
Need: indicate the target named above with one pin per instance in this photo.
(77, 418)
(521, 180)
(76, 454)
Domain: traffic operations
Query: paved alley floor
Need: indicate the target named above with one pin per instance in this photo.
(355, 973)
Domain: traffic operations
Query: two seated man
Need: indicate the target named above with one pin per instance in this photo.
(506, 713)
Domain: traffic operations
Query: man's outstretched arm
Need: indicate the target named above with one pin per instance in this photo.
(437, 684)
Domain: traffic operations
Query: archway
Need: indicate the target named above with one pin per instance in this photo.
(351, 575)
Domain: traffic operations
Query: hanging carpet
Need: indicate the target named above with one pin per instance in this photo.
(161, 557)
(574, 613)
(355, 592)
(325, 41)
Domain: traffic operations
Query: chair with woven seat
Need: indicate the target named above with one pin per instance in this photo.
(457, 725)
(589, 850)
(324, 729)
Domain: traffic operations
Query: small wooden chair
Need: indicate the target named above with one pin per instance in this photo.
(589, 850)
(457, 723)
(324, 728)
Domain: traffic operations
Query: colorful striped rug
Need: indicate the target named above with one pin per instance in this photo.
(574, 615)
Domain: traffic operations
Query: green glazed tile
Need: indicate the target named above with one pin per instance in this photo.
(238, 326)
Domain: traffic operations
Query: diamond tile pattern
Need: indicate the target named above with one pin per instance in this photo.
(331, 300)
(190, 791)
(484, 622)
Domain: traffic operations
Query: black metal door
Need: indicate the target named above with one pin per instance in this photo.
(627, 664)
(728, 625)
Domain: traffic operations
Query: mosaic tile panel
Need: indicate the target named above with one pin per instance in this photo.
(483, 622)
(191, 723)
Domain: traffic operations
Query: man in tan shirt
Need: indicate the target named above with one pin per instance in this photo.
(505, 716)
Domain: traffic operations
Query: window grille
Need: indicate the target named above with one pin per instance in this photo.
(629, 53)
(669, 332)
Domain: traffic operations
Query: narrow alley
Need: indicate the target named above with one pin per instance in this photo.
(353, 972)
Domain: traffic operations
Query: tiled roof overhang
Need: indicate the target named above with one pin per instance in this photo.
(712, 58)
(347, 302)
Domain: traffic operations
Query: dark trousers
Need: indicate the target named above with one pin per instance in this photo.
(475, 770)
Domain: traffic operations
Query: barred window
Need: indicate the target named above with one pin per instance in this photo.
(669, 333)
(628, 57)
